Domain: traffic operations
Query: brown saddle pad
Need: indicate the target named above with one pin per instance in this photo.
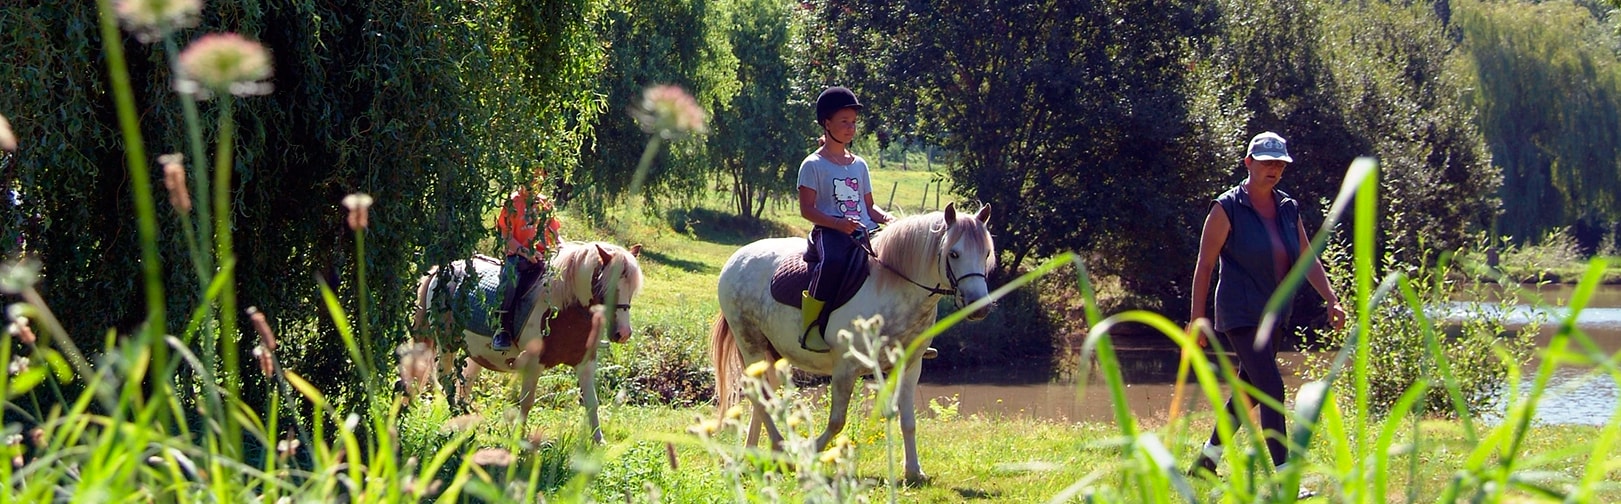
(793, 277)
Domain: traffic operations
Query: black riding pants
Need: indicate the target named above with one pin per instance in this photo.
(829, 258)
(1259, 368)
(524, 274)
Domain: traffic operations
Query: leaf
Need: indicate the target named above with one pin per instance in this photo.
(24, 382)
(305, 388)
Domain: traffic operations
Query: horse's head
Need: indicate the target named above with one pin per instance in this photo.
(619, 271)
(967, 255)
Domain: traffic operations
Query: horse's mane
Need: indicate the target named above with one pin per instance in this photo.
(575, 264)
(915, 244)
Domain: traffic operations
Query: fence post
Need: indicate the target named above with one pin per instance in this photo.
(924, 206)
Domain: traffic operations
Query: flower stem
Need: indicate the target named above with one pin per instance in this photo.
(228, 333)
(365, 323)
(135, 155)
(199, 174)
(145, 209)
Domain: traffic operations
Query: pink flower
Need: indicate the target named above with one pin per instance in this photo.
(668, 111)
(492, 457)
(265, 351)
(151, 20)
(25, 334)
(359, 205)
(224, 63)
(174, 179)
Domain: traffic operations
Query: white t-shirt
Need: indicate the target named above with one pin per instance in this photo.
(841, 190)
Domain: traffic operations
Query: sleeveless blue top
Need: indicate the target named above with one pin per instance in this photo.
(1246, 275)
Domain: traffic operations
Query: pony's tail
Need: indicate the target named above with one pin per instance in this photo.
(728, 363)
(419, 317)
(419, 357)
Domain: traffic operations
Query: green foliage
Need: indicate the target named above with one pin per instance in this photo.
(1397, 78)
(758, 134)
(1482, 342)
(1530, 260)
(680, 42)
(431, 107)
(1548, 87)
(663, 365)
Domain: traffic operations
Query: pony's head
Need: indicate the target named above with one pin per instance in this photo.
(587, 273)
(945, 248)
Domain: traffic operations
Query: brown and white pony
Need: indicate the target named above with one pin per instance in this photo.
(561, 328)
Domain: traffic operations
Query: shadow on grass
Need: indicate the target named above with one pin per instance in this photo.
(682, 264)
(975, 493)
(724, 228)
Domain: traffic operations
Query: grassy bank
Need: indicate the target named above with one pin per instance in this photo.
(1000, 459)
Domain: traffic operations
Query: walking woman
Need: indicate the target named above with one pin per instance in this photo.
(1254, 233)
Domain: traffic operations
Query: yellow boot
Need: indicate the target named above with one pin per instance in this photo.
(810, 308)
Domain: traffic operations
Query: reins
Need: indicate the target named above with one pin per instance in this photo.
(865, 242)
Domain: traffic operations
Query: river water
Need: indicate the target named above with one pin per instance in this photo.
(1573, 396)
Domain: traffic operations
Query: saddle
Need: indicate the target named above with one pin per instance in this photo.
(474, 303)
(793, 277)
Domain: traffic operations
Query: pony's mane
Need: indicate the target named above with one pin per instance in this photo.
(576, 263)
(915, 244)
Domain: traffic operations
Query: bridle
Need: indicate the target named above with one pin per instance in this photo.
(599, 293)
(865, 242)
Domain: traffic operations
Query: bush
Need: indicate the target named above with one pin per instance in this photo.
(1530, 262)
(1478, 344)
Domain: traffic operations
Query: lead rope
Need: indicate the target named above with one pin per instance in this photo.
(866, 245)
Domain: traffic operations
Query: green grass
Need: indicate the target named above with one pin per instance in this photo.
(995, 459)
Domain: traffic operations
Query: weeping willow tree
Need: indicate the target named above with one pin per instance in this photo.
(432, 107)
(681, 42)
(1549, 94)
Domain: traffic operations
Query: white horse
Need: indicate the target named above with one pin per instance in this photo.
(561, 327)
(939, 249)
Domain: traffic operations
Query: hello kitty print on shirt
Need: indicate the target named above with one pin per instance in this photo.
(847, 195)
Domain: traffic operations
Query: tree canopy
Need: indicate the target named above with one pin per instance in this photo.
(1103, 127)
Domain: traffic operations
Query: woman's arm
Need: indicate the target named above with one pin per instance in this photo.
(1211, 238)
(1318, 278)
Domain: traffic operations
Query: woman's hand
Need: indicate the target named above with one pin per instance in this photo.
(1336, 315)
(1197, 327)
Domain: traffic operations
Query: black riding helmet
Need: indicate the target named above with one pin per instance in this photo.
(832, 100)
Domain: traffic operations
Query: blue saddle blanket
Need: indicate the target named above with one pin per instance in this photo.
(474, 304)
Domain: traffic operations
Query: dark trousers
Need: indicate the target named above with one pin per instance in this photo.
(1259, 368)
(523, 275)
(829, 257)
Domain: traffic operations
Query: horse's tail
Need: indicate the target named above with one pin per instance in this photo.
(419, 317)
(418, 357)
(728, 361)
